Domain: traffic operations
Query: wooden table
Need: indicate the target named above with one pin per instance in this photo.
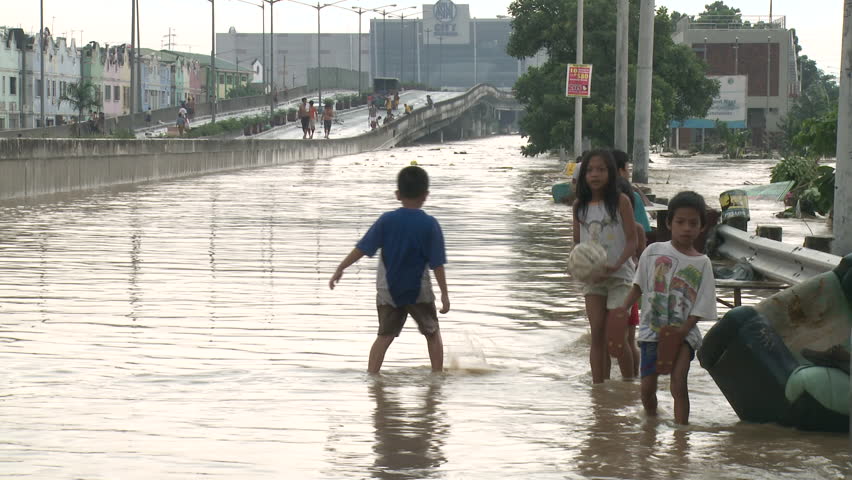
(739, 285)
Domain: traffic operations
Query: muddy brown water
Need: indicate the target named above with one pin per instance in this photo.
(185, 330)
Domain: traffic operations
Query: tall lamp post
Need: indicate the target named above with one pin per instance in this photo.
(262, 41)
(384, 35)
(271, 66)
(360, 11)
(428, 54)
(319, 8)
(402, 44)
(42, 48)
(215, 78)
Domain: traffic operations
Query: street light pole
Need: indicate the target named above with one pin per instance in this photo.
(384, 34)
(578, 101)
(402, 46)
(360, 11)
(319, 8)
(428, 55)
(213, 59)
(41, 46)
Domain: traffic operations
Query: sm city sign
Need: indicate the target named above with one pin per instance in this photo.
(448, 22)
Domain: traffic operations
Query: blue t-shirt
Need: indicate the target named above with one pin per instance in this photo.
(410, 239)
(640, 213)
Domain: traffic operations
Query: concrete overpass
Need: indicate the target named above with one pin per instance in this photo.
(32, 167)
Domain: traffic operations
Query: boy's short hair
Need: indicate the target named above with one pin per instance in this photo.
(688, 199)
(625, 188)
(412, 182)
(621, 159)
(304, 99)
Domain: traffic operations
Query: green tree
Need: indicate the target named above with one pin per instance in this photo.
(818, 136)
(680, 88)
(82, 96)
(718, 12)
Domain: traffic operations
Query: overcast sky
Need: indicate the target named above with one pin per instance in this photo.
(108, 21)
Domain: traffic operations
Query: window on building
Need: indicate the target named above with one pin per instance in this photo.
(107, 92)
(221, 78)
(116, 93)
(243, 78)
(230, 79)
(2, 124)
(38, 87)
(13, 123)
(13, 85)
(54, 88)
(3, 87)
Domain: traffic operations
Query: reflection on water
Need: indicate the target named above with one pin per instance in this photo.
(409, 435)
(185, 329)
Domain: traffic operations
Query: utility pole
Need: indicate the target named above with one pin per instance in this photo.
(842, 244)
(475, 72)
(139, 56)
(621, 48)
(768, 91)
(428, 55)
(441, 60)
(42, 47)
(132, 58)
(578, 101)
(642, 117)
(272, 104)
(169, 38)
(213, 59)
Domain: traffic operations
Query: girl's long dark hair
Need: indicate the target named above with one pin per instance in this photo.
(611, 193)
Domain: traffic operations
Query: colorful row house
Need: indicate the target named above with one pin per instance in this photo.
(108, 68)
(168, 78)
(11, 93)
(61, 68)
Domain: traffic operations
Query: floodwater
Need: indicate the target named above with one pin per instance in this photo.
(186, 330)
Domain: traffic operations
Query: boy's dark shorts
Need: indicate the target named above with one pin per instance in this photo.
(392, 319)
(648, 362)
(306, 122)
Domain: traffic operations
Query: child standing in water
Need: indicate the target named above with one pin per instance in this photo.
(677, 288)
(604, 216)
(410, 241)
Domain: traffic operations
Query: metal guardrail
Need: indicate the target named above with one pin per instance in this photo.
(774, 260)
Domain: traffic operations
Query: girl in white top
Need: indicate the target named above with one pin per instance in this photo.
(604, 216)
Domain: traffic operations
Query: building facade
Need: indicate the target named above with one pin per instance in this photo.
(156, 83)
(446, 49)
(61, 67)
(295, 53)
(760, 49)
(108, 69)
(11, 45)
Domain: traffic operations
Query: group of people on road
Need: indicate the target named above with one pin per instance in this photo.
(308, 114)
(391, 105)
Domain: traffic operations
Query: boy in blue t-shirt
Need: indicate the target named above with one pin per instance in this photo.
(410, 240)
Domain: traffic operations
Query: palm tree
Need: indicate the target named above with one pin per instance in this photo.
(82, 95)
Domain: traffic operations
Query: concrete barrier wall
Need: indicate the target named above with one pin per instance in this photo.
(33, 167)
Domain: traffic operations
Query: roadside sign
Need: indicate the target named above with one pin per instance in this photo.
(579, 83)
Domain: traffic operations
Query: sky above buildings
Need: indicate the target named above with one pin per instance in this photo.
(818, 23)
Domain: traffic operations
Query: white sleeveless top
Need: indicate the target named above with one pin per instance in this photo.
(597, 226)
